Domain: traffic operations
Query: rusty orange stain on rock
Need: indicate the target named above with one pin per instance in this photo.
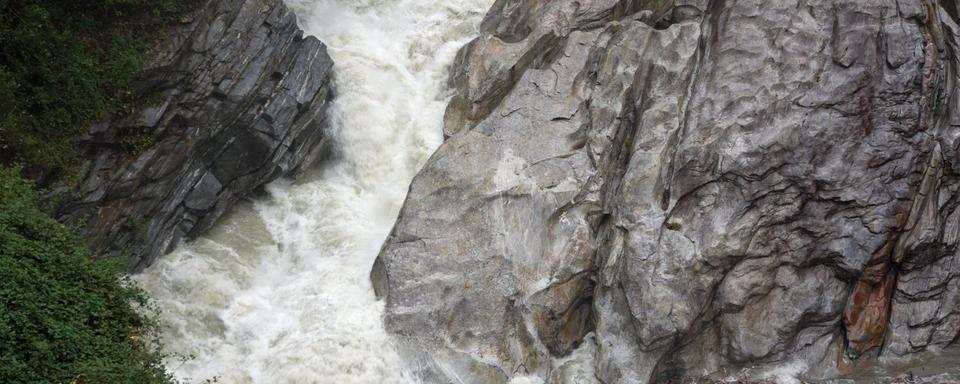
(866, 315)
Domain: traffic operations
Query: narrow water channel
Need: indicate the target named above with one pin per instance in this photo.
(278, 291)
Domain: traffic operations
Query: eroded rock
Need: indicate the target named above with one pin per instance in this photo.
(722, 183)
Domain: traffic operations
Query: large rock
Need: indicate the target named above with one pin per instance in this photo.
(236, 97)
(706, 185)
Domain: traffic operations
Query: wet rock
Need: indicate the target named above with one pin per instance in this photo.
(724, 184)
(235, 97)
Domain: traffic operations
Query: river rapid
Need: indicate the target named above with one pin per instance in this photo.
(279, 290)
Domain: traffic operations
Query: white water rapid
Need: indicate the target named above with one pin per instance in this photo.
(278, 291)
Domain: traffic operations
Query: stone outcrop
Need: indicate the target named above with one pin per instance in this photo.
(704, 185)
(236, 97)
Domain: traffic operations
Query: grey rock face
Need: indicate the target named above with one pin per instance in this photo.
(703, 184)
(238, 98)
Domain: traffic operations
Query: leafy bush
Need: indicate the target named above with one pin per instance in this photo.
(66, 64)
(65, 318)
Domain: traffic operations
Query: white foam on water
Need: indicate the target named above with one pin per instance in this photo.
(787, 372)
(279, 290)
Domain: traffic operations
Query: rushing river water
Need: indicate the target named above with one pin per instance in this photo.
(278, 291)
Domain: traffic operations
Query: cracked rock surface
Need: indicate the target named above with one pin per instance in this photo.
(703, 184)
(237, 98)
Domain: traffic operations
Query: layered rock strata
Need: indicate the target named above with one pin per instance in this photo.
(236, 97)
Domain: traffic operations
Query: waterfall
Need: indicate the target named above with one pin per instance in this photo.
(278, 291)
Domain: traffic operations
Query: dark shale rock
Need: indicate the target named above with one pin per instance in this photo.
(703, 184)
(237, 97)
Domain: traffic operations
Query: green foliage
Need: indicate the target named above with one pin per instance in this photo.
(136, 139)
(64, 65)
(65, 318)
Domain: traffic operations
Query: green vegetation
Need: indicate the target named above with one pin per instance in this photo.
(65, 318)
(66, 64)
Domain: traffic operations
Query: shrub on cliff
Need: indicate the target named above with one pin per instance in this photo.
(64, 65)
(65, 318)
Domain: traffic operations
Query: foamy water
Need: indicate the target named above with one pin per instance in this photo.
(279, 290)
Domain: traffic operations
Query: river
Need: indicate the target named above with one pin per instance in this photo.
(279, 291)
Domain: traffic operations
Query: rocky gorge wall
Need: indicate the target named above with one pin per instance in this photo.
(702, 184)
(236, 97)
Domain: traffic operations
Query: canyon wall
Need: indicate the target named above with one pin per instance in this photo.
(235, 97)
(702, 184)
